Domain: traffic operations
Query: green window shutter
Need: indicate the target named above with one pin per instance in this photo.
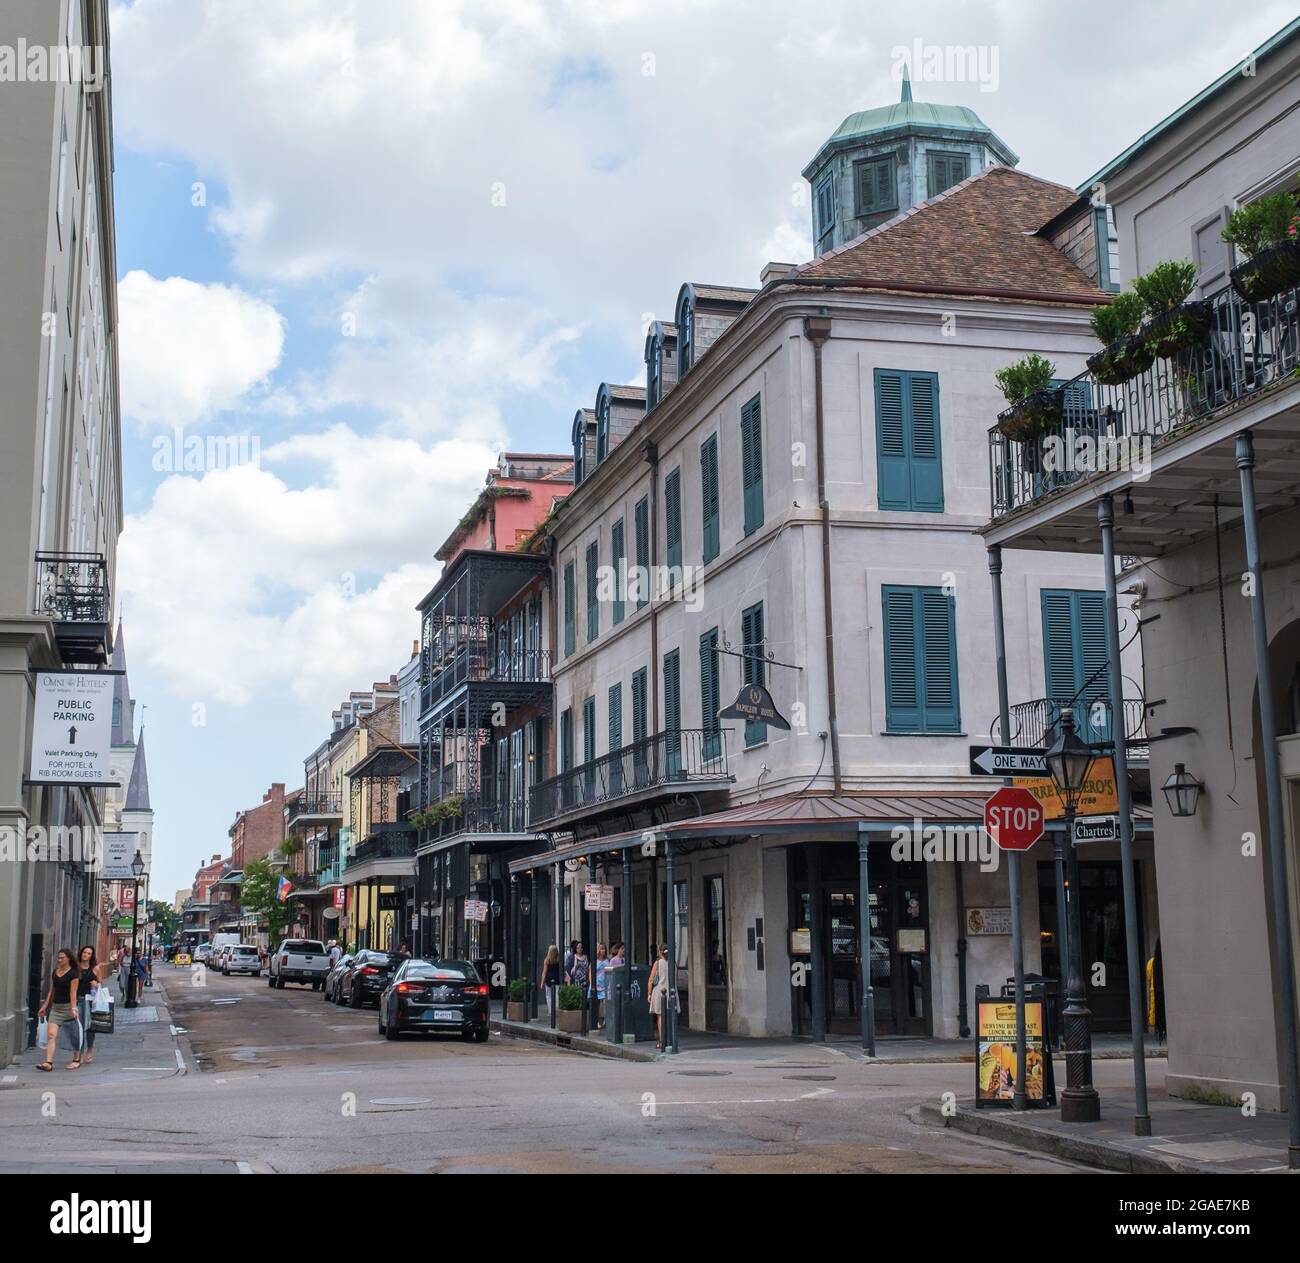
(710, 703)
(589, 730)
(570, 600)
(709, 495)
(1059, 662)
(566, 740)
(615, 717)
(921, 693)
(640, 728)
(673, 712)
(618, 559)
(673, 518)
(642, 527)
(751, 462)
(593, 605)
(909, 462)
(753, 669)
(1076, 659)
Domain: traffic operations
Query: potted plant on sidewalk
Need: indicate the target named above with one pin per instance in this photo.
(1267, 233)
(1035, 406)
(1124, 353)
(1173, 323)
(517, 1000)
(570, 1014)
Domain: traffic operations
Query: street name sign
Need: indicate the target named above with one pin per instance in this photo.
(1096, 829)
(1007, 761)
(72, 729)
(1013, 818)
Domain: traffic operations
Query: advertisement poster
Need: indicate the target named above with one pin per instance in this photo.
(72, 729)
(995, 1054)
(1100, 796)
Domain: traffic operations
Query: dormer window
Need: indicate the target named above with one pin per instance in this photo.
(943, 170)
(654, 379)
(579, 448)
(824, 210)
(877, 185)
(602, 424)
(685, 331)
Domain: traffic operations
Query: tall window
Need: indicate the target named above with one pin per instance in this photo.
(602, 426)
(753, 667)
(593, 605)
(653, 369)
(570, 600)
(824, 205)
(709, 496)
(673, 521)
(579, 447)
(566, 739)
(673, 711)
(685, 337)
(920, 660)
(877, 185)
(909, 462)
(710, 702)
(716, 929)
(589, 730)
(751, 462)
(943, 170)
(1075, 658)
(618, 559)
(640, 719)
(642, 525)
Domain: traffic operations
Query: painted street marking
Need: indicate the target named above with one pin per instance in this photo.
(759, 1100)
(244, 1168)
(180, 1061)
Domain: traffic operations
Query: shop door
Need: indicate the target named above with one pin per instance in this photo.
(900, 974)
(716, 995)
(843, 964)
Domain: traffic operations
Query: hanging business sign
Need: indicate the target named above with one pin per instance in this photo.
(126, 903)
(754, 703)
(72, 728)
(340, 896)
(598, 898)
(119, 851)
(1100, 797)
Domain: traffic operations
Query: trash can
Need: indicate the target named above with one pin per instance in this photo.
(629, 1008)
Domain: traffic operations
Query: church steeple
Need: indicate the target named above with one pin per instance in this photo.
(907, 86)
(123, 707)
(137, 792)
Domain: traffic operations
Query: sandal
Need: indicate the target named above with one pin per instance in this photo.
(45, 1065)
(73, 1065)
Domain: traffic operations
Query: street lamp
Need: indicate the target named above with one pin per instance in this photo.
(1181, 791)
(1068, 761)
(137, 868)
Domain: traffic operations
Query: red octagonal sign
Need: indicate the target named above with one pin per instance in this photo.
(1013, 818)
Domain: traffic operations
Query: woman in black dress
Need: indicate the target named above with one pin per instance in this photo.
(87, 985)
(61, 1005)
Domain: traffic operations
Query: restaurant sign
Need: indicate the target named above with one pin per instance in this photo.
(754, 703)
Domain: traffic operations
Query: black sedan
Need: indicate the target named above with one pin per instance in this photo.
(445, 996)
(365, 978)
(330, 991)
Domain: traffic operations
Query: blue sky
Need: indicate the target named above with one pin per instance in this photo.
(386, 240)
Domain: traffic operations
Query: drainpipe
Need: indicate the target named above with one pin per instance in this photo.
(651, 454)
(1282, 946)
(817, 329)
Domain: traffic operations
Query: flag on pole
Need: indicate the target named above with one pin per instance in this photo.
(282, 891)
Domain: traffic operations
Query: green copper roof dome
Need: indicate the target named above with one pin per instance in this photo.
(910, 114)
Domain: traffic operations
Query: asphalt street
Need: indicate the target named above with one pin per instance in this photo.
(262, 1080)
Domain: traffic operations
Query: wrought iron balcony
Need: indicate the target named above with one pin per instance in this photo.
(1249, 348)
(387, 842)
(482, 815)
(469, 655)
(315, 807)
(1037, 723)
(72, 589)
(668, 759)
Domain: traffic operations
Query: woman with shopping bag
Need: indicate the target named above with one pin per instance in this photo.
(61, 1007)
(87, 993)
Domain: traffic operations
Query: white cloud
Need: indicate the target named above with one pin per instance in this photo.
(188, 351)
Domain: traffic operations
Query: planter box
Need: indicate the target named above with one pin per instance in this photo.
(570, 1021)
(1037, 414)
(1121, 361)
(1178, 329)
(516, 1010)
(1268, 273)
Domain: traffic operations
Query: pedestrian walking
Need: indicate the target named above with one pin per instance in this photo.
(659, 991)
(336, 952)
(87, 985)
(569, 955)
(598, 986)
(579, 972)
(61, 1008)
(548, 981)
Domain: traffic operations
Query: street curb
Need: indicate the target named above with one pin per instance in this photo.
(574, 1043)
(185, 1059)
(1003, 1127)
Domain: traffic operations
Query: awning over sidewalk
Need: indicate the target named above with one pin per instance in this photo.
(386, 762)
(790, 813)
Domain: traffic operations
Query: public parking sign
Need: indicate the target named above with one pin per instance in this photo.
(1013, 818)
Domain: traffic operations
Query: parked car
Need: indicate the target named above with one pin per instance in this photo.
(445, 996)
(218, 960)
(201, 953)
(331, 988)
(299, 960)
(243, 959)
(367, 977)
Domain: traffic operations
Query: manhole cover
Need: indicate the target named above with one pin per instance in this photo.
(701, 1074)
(401, 1100)
(811, 1078)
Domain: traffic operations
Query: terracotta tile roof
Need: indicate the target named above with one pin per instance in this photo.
(977, 236)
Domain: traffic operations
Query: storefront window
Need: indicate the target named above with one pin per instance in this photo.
(716, 929)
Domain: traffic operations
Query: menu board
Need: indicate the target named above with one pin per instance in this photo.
(995, 1054)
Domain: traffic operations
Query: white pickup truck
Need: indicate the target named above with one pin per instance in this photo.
(298, 960)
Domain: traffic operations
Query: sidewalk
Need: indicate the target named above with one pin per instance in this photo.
(1189, 1138)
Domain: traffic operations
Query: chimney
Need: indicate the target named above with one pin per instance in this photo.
(775, 271)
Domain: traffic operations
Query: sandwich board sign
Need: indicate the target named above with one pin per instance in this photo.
(72, 728)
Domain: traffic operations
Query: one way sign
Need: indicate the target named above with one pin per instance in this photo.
(1006, 761)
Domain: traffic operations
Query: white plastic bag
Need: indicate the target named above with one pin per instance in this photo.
(42, 1035)
(101, 1002)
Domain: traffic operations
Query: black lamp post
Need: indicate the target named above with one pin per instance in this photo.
(1068, 761)
(137, 868)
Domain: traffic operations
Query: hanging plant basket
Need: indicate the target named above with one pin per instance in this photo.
(1268, 273)
(1121, 361)
(1033, 415)
(1178, 329)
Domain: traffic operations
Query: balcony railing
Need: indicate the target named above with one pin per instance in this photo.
(473, 655)
(1037, 723)
(1249, 348)
(480, 815)
(388, 842)
(669, 758)
(72, 589)
(330, 804)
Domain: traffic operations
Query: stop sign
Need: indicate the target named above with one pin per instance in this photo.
(1013, 818)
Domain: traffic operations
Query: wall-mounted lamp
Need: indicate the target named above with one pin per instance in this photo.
(1182, 791)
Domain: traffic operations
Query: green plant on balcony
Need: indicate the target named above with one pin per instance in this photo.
(1173, 323)
(290, 846)
(1124, 353)
(1035, 407)
(1267, 232)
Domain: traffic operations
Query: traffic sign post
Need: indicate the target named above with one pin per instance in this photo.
(1013, 818)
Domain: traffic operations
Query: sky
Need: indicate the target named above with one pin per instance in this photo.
(366, 245)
